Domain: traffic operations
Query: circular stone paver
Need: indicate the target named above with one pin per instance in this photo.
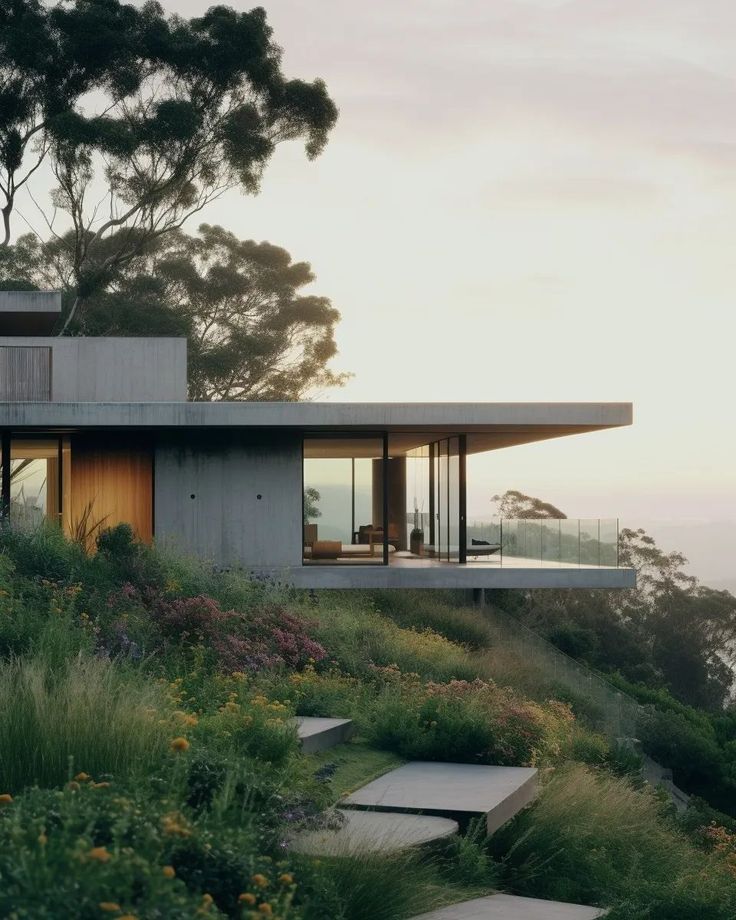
(374, 832)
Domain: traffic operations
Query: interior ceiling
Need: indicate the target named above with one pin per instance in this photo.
(402, 442)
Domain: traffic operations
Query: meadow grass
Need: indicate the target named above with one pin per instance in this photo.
(84, 717)
(594, 839)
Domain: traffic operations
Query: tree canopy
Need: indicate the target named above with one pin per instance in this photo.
(513, 504)
(143, 118)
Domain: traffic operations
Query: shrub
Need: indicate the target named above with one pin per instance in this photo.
(85, 717)
(466, 722)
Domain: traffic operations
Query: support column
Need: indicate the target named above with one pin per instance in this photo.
(396, 498)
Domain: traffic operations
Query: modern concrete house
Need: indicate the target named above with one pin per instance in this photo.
(97, 431)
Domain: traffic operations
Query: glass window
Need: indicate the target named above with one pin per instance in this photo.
(344, 502)
(35, 481)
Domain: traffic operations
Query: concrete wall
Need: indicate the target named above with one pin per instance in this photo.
(113, 369)
(230, 497)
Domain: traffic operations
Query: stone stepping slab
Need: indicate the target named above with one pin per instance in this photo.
(509, 907)
(318, 734)
(373, 832)
(451, 789)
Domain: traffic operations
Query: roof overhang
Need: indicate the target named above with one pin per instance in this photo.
(487, 426)
(31, 313)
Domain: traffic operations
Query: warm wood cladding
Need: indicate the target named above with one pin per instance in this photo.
(111, 483)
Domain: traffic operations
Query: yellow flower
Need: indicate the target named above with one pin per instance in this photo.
(179, 744)
(43, 839)
(109, 906)
(128, 917)
(265, 909)
(169, 871)
(100, 785)
(259, 880)
(286, 878)
(247, 898)
(100, 854)
(6, 798)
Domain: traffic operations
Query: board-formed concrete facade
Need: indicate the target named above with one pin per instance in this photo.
(111, 438)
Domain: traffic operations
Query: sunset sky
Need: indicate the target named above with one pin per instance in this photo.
(528, 200)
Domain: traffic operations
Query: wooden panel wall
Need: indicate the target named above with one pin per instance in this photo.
(25, 373)
(115, 479)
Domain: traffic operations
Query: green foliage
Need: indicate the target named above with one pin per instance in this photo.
(86, 716)
(422, 610)
(592, 839)
(206, 775)
(183, 109)
(466, 722)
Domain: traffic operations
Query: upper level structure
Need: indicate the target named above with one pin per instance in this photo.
(97, 431)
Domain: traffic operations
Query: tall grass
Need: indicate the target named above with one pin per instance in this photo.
(357, 636)
(83, 717)
(593, 839)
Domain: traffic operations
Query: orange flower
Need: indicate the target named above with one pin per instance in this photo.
(247, 898)
(6, 798)
(100, 854)
(109, 906)
(100, 785)
(265, 909)
(169, 871)
(82, 777)
(286, 878)
(179, 744)
(259, 880)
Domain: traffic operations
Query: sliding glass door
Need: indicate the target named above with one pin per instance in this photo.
(449, 499)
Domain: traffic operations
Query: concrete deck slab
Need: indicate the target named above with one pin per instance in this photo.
(509, 907)
(451, 789)
(374, 832)
(318, 734)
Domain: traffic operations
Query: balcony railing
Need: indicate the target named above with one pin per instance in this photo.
(567, 541)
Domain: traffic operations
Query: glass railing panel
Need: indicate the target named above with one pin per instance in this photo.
(550, 540)
(609, 542)
(570, 541)
(589, 542)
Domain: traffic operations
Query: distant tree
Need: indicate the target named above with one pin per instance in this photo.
(513, 504)
(183, 110)
(312, 497)
(669, 632)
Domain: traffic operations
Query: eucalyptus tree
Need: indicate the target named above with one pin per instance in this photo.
(253, 332)
(143, 118)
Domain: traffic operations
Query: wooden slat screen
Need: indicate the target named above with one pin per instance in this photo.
(25, 373)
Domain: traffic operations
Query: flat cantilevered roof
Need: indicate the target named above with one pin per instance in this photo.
(488, 426)
(29, 312)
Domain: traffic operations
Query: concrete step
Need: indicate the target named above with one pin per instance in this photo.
(373, 832)
(318, 734)
(509, 907)
(452, 790)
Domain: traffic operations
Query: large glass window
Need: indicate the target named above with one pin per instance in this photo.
(33, 485)
(344, 507)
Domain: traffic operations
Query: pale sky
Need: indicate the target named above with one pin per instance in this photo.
(528, 200)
